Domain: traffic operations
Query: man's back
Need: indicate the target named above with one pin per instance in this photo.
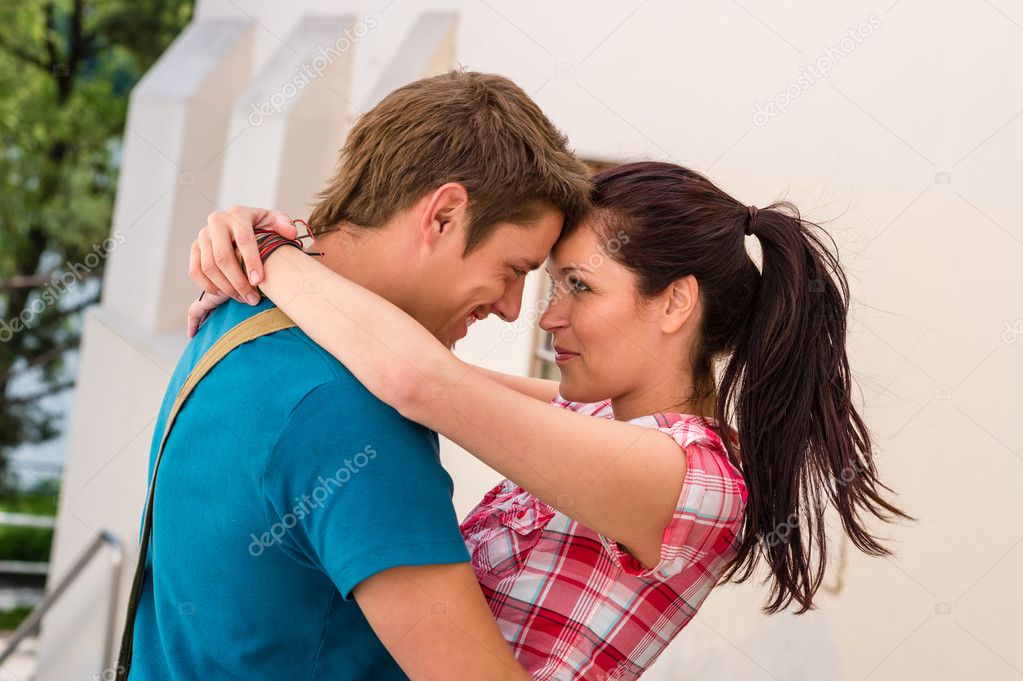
(283, 484)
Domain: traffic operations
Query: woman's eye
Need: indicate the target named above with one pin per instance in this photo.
(577, 285)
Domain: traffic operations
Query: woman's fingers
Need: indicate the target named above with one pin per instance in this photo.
(241, 221)
(221, 231)
(275, 220)
(211, 268)
(241, 232)
(195, 270)
(200, 309)
(213, 261)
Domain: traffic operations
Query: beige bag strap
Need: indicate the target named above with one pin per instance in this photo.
(261, 324)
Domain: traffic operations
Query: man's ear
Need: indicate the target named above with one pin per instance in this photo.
(681, 302)
(444, 213)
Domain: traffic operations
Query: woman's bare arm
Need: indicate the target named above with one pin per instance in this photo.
(539, 388)
(620, 479)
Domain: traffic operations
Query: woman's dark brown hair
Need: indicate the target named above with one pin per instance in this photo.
(786, 383)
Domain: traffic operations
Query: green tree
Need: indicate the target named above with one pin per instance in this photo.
(66, 69)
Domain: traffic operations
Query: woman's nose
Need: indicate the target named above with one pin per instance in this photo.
(553, 317)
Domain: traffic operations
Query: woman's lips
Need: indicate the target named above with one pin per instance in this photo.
(562, 355)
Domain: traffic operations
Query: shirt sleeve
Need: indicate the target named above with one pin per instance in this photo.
(707, 517)
(354, 488)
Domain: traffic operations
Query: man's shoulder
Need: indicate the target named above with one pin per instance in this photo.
(342, 402)
(288, 355)
(318, 381)
(300, 373)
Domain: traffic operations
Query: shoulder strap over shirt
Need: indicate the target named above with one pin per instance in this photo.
(261, 324)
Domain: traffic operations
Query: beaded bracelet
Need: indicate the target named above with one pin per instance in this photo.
(268, 246)
(268, 241)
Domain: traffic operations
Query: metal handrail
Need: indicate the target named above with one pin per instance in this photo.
(30, 623)
(24, 567)
(27, 520)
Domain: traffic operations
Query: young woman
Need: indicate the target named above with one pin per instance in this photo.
(608, 536)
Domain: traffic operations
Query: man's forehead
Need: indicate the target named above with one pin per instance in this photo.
(524, 246)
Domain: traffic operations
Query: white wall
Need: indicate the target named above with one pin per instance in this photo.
(910, 147)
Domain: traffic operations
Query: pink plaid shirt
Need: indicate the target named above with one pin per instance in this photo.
(569, 601)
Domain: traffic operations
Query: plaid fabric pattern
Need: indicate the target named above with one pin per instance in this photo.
(569, 601)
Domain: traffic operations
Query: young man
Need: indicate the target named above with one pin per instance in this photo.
(302, 529)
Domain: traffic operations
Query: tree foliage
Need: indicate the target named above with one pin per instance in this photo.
(66, 69)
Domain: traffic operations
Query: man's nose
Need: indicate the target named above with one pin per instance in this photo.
(510, 304)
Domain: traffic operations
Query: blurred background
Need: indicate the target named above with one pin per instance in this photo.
(896, 124)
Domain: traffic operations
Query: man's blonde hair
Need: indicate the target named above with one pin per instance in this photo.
(480, 130)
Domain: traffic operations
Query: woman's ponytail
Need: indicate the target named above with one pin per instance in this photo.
(790, 387)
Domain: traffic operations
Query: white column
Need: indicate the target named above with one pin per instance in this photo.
(174, 139)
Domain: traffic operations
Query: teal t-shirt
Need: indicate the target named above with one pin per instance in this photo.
(284, 483)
